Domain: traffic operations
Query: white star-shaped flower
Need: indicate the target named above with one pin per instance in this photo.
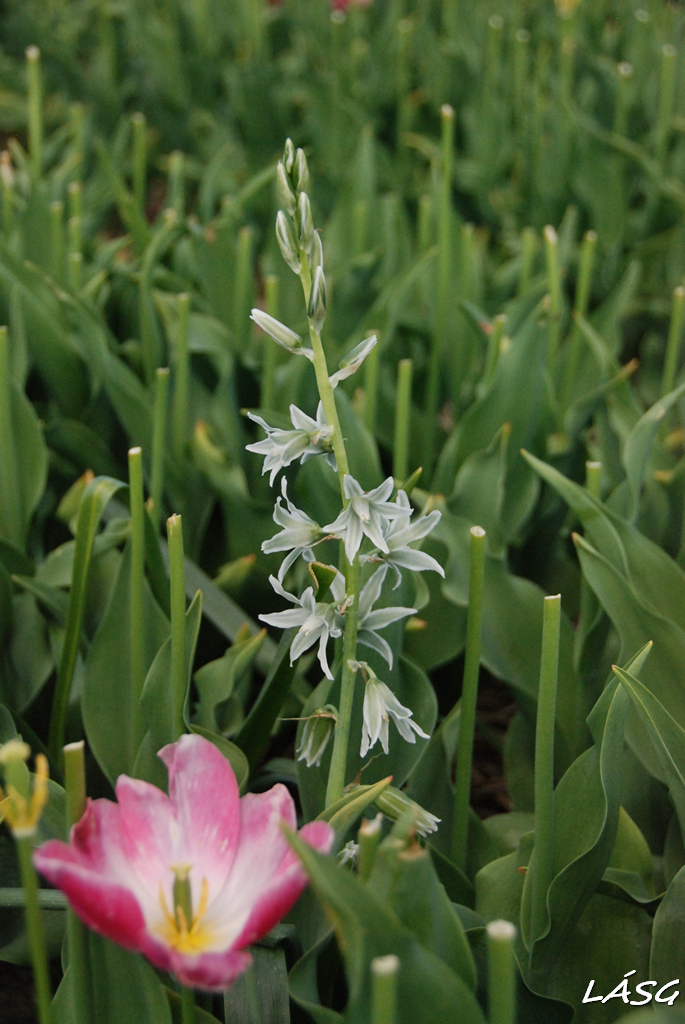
(399, 534)
(370, 620)
(299, 533)
(317, 622)
(368, 512)
(380, 705)
(309, 437)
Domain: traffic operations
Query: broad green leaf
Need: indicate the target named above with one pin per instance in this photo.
(667, 957)
(255, 732)
(112, 715)
(365, 928)
(215, 681)
(261, 993)
(638, 445)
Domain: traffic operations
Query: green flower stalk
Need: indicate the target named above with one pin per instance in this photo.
(384, 971)
(501, 973)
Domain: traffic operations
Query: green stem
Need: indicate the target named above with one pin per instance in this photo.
(159, 430)
(555, 300)
(179, 680)
(75, 199)
(243, 283)
(400, 467)
(187, 1005)
(593, 478)
(57, 239)
(75, 271)
(135, 476)
(501, 973)
(544, 766)
(10, 504)
(469, 698)
(35, 930)
(78, 135)
(494, 341)
(179, 414)
(529, 246)
(370, 834)
(35, 105)
(176, 184)
(267, 397)
(625, 75)
(77, 936)
(669, 57)
(444, 284)
(360, 227)
(384, 970)
(371, 385)
(673, 344)
(425, 226)
(580, 308)
(336, 775)
(139, 124)
(7, 192)
(75, 231)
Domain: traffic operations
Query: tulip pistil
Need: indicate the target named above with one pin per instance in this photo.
(182, 929)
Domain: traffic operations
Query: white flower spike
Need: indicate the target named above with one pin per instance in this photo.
(316, 622)
(399, 534)
(368, 512)
(370, 620)
(281, 447)
(380, 705)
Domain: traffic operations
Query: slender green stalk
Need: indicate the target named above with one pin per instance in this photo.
(360, 227)
(593, 478)
(267, 398)
(580, 308)
(77, 938)
(179, 412)
(139, 125)
(555, 299)
(501, 973)
(75, 271)
(57, 238)
(75, 235)
(78, 135)
(75, 199)
(567, 56)
(370, 833)
(521, 75)
(425, 226)
(529, 248)
(243, 284)
(469, 698)
(35, 105)
(400, 467)
(625, 75)
(187, 1005)
(494, 341)
(8, 198)
(159, 430)
(35, 930)
(544, 765)
(177, 184)
(384, 971)
(444, 284)
(669, 58)
(371, 385)
(675, 333)
(179, 681)
(10, 503)
(135, 478)
(336, 775)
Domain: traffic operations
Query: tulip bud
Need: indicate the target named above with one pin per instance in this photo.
(317, 301)
(317, 731)
(278, 331)
(286, 196)
(306, 224)
(289, 155)
(287, 242)
(300, 171)
(394, 804)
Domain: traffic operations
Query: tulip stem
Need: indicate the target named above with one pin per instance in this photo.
(139, 125)
(159, 417)
(501, 973)
(188, 1005)
(35, 930)
(10, 507)
(181, 369)
(673, 344)
(77, 936)
(469, 698)
(384, 970)
(179, 679)
(35, 105)
(336, 775)
(544, 765)
(135, 477)
(402, 421)
(269, 365)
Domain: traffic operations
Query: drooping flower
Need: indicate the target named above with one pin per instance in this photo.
(317, 622)
(399, 534)
(298, 535)
(370, 619)
(316, 733)
(368, 512)
(394, 803)
(188, 879)
(380, 705)
(281, 334)
(281, 447)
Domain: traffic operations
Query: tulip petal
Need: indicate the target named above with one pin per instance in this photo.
(209, 971)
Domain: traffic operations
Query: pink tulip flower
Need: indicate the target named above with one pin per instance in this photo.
(188, 879)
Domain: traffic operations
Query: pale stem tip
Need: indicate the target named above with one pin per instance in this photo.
(382, 966)
(501, 930)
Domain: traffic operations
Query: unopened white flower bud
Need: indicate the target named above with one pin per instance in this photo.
(305, 222)
(316, 254)
(289, 155)
(317, 301)
(317, 731)
(287, 242)
(301, 171)
(286, 196)
(278, 331)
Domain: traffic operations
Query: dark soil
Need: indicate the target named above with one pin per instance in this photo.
(17, 1003)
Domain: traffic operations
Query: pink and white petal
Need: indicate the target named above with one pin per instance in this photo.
(105, 906)
(204, 793)
(149, 832)
(283, 889)
(209, 971)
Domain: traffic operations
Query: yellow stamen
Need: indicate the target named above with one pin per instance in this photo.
(174, 930)
(21, 812)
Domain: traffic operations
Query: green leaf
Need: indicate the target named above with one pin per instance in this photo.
(256, 730)
(111, 715)
(216, 680)
(261, 993)
(667, 957)
(365, 928)
(343, 812)
(639, 442)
